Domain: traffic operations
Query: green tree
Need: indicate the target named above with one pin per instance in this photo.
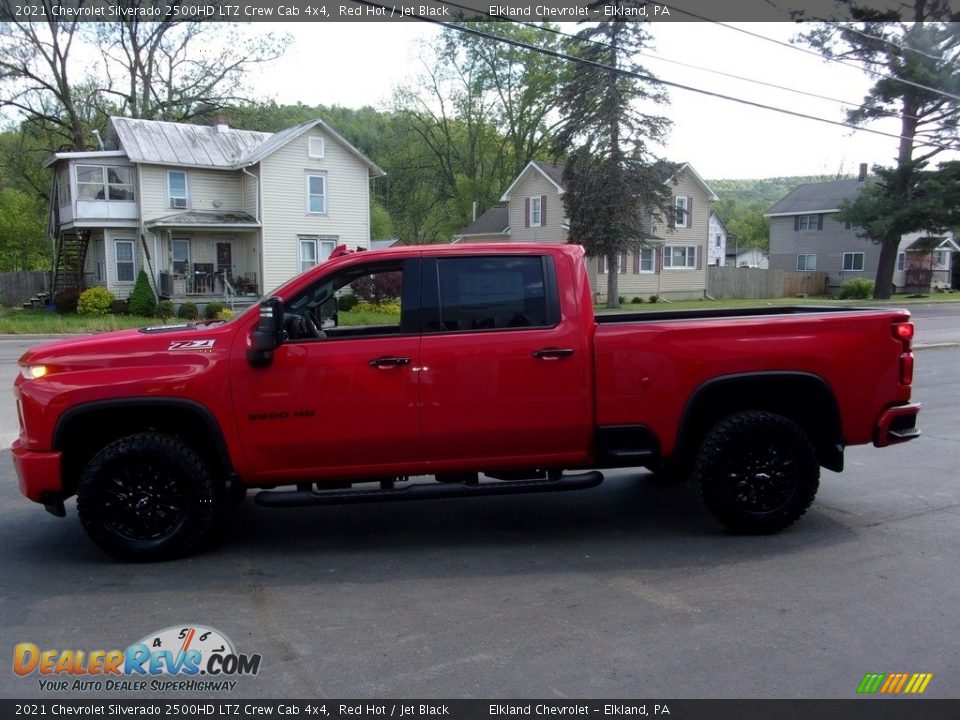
(23, 241)
(613, 181)
(914, 61)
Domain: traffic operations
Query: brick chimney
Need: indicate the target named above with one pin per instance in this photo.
(863, 172)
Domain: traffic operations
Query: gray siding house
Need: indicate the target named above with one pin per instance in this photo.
(807, 235)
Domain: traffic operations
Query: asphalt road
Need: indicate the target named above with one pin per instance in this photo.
(628, 590)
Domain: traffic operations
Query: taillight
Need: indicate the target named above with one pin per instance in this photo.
(903, 331)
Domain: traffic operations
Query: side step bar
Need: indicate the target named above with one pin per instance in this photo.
(425, 491)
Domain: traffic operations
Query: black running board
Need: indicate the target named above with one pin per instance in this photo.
(426, 491)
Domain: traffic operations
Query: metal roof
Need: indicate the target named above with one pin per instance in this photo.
(155, 142)
(201, 218)
(817, 198)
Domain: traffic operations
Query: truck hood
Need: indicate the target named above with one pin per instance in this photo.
(130, 347)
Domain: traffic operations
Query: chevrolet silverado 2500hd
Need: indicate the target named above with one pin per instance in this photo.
(495, 377)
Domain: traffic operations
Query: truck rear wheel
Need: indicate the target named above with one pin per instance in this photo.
(757, 472)
(146, 497)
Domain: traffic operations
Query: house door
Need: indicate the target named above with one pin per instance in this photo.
(181, 256)
(225, 257)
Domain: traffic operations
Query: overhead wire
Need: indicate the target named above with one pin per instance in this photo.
(875, 73)
(464, 28)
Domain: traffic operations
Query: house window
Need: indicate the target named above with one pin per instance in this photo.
(806, 262)
(314, 249)
(177, 189)
(646, 260)
(316, 194)
(120, 183)
(123, 251)
(680, 257)
(901, 261)
(853, 261)
(807, 222)
(940, 259)
(536, 217)
(621, 263)
(181, 256)
(718, 239)
(315, 147)
(100, 182)
(682, 211)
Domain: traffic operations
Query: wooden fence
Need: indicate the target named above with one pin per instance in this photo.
(19, 287)
(753, 283)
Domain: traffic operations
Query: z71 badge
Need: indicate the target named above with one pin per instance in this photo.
(197, 345)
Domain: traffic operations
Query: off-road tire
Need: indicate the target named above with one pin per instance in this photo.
(147, 497)
(757, 472)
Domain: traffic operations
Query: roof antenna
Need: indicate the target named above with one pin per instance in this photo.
(96, 134)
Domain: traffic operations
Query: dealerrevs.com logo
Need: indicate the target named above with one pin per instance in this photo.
(182, 658)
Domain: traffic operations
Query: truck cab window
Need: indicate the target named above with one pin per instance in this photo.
(491, 293)
(367, 300)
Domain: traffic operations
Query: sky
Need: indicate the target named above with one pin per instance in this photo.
(357, 64)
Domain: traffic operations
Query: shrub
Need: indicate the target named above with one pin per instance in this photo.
(621, 300)
(225, 314)
(859, 289)
(392, 308)
(119, 307)
(654, 298)
(213, 309)
(165, 309)
(142, 301)
(637, 300)
(188, 311)
(380, 288)
(95, 301)
(66, 301)
(346, 303)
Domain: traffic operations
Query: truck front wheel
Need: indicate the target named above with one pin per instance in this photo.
(757, 472)
(146, 497)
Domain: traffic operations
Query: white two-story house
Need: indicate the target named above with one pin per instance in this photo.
(671, 264)
(209, 212)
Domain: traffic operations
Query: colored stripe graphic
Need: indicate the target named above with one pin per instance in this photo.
(871, 682)
(895, 683)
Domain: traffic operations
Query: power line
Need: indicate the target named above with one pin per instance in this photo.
(946, 61)
(865, 69)
(649, 78)
(846, 103)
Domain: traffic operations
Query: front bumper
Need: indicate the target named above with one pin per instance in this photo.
(897, 425)
(38, 473)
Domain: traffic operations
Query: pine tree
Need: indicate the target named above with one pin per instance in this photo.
(914, 63)
(613, 181)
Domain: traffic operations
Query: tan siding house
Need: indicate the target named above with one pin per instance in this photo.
(673, 265)
(210, 212)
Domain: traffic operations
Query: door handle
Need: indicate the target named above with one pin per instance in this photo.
(389, 362)
(552, 353)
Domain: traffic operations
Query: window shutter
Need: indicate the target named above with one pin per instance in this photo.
(819, 222)
(623, 262)
(526, 212)
(658, 258)
(796, 223)
(636, 262)
(600, 264)
(689, 212)
(672, 216)
(699, 255)
(543, 210)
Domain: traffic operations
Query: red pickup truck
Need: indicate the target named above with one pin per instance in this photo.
(495, 377)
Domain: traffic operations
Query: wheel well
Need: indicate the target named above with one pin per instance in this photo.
(85, 430)
(805, 399)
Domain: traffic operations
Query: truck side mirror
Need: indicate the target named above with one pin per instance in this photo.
(267, 336)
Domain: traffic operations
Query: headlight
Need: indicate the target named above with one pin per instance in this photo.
(33, 372)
